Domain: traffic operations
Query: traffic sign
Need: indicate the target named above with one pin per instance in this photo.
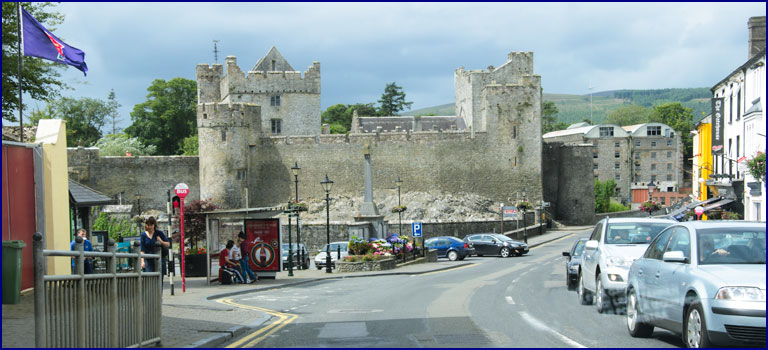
(416, 229)
(182, 190)
(510, 211)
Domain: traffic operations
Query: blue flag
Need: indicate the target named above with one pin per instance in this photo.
(39, 42)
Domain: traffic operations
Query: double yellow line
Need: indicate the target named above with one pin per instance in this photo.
(259, 335)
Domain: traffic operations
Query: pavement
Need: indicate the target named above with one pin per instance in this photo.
(194, 319)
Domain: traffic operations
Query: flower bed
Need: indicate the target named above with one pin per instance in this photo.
(360, 266)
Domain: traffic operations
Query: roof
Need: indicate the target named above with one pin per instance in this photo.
(83, 196)
(632, 128)
(566, 132)
(757, 107)
(758, 56)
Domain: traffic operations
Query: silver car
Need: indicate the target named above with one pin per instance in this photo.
(704, 280)
(612, 247)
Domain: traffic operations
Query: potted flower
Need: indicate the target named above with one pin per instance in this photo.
(524, 206)
(399, 209)
(650, 206)
(194, 262)
(297, 205)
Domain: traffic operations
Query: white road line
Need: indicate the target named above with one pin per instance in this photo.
(537, 324)
(510, 300)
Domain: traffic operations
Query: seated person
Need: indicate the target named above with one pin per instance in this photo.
(621, 236)
(708, 250)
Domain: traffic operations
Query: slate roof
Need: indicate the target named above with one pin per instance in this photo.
(82, 196)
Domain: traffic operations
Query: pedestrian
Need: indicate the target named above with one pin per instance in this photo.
(87, 246)
(243, 252)
(227, 266)
(150, 238)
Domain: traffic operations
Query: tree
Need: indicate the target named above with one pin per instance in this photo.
(629, 115)
(113, 116)
(363, 110)
(167, 117)
(603, 193)
(337, 128)
(121, 144)
(190, 147)
(337, 114)
(194, 222)
(678, 118)
(393, 100)
(40, 78)
(85, 117)
(548, 120)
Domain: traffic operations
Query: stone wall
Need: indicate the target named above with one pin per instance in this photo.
(568, 184)
(151, 177)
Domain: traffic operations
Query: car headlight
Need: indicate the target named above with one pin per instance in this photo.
(741, 294)
(616, 261)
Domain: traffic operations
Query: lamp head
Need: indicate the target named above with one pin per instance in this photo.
(295, 169)
(327, 184)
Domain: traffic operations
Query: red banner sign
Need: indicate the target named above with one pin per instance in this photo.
(262, 244)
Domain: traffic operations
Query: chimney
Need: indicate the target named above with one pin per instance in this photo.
(756, 27)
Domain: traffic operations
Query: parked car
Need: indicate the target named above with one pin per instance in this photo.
(496, 244)
(449, 247)
(299, 260)
(704, 280)
(338, 251)
(573, 262)
(611, 249)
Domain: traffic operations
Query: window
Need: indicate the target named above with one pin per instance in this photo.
(653, 177)
(653, 155)
(681, 241)
(241, 174)
(616, 144)
(223, 136)
(594, 154)
(656, 249)
(653, 166)
(738, 105)
(606, 131)
(617, 177)
(277, 126)
(274, 101)
(514, 131)
(594, 166)
(669, 177)
(669, 154)
(669, 142)
(669, 166)
(637, 155)
(653, 131)
(617, 165)
(273, 65)
(637, 143)
(653, 143)
(616, 154)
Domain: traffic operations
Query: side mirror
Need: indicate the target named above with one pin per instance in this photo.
(592, 245)
(566, 254)
(674, 256)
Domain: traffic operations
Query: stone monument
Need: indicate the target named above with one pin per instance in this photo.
(369, 213)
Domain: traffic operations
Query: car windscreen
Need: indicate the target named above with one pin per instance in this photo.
(579, 249)
(731, 246)
(633, 232)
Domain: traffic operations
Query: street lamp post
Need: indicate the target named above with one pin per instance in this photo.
(399, 213)
(327, 185)
(138, 201)
(525, 229)
(290, 244)
(296, 171)
(651, 187)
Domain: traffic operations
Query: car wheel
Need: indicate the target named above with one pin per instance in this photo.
(462, 258)
(584, 296)
(319, 267)
(695, 328)
(635, 325)
(601, 298)
(504, 252)
(453, 256)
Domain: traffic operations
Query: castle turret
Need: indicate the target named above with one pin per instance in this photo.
(209, 83)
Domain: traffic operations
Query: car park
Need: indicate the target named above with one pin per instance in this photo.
(449, 247)
(704, 280)
(339, 250)
(612, 247)
(573, 262)
(300, 256)
(496, 244)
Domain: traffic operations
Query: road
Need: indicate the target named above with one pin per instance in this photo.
(486, 302)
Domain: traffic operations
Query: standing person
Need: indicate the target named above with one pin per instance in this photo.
(87, 246)
(243, 251)
(149, 239)
(227, 265)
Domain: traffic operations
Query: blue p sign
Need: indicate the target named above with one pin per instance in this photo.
(416, 228)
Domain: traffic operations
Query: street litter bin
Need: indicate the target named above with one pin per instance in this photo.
(12, 271)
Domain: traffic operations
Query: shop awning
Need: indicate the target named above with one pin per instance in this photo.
(691, 206)
(82, 196)
(717, 204)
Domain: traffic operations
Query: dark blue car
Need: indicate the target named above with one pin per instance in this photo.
(449, 247)
(573, 261)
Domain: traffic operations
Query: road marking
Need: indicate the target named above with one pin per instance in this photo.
(537, 324)
(282, 320)
(453, 269)
(510, 300)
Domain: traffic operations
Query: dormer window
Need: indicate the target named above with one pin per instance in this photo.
(606, 131)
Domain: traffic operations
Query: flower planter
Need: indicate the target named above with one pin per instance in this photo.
(195, 265)
(380, 265)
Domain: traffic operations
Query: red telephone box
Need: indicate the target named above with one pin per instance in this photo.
(262, 244)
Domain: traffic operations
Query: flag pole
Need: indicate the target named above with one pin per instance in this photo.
(21, 106)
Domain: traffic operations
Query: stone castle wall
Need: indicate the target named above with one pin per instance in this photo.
(149, 176)
(568, 182)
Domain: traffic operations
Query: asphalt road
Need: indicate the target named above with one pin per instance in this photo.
(487, 302)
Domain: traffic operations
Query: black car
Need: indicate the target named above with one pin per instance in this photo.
(496, 244)
(298, 261)
(573, 261)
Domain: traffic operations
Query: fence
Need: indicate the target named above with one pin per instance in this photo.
(97, 310)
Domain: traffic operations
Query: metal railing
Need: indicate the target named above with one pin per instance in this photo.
(97, 310)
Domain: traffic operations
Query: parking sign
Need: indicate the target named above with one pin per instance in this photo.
(416, 229)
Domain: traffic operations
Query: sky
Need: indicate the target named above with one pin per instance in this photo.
(363, 46)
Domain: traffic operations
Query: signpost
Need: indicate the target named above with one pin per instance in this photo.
(182, 190)
(699, 211)
(416, 230)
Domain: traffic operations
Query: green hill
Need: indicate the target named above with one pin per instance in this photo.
(575, 108)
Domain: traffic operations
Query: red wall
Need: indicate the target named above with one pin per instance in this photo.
(19, 204)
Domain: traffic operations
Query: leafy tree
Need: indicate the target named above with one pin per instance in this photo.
(337, 114)
(337, 128)
(194, 222)
(114, 117)
(393, 100)
(168, 116)
(680, 119)
(41, 79)
(115, 227)
(603, 193)
(190, 146)
(120, 144)
(629, 115)
(363, 110)
(85, 117)
(549, 121)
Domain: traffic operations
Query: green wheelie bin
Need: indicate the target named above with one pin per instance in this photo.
(12, 271)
